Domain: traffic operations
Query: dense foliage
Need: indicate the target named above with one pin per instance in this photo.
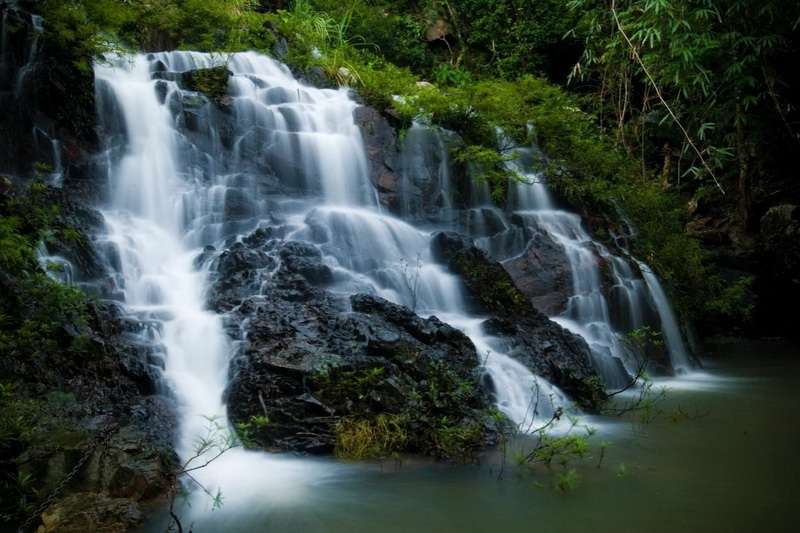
(41, 320)
(666, 101)
(717, 66)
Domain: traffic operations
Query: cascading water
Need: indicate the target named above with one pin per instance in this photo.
(425, 166)
(156, 264)
(679, 355)
(601, 305)
(588, 312)
(153, 220)
(184, 176)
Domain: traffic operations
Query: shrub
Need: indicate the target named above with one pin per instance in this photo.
(375, 438)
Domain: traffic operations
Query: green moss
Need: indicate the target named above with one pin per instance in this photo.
(457, 440)
(35, 311)
(338, 386)
(593, 395)
(91, 27)
(438, 413)
(212, 82)
(491, 284)
(246, 431)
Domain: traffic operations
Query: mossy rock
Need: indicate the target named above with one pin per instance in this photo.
(212, 82)
(486, 280)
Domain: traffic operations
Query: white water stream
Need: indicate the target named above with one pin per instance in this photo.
(176, 188)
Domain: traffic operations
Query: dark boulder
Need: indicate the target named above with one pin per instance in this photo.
(81, 512)
(312, 359)
(542, 274)
(446, 244)
(238, 205)
(309, 365)
(483, 221)
(306, 260)
(487, 282)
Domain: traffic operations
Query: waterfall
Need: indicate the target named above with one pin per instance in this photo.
(679, 355)
(37, 25)
(606, 299)
(184, 176)
(588, 312)
(424, 169)
(157, 276)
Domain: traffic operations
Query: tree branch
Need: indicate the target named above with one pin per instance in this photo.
(661, 97)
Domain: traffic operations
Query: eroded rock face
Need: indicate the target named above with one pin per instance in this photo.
(542, 345)
(312, 358)
(380, 143)
(542, 273)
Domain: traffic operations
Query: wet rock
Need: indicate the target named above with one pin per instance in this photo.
(212, 82)
(238, 205)
(82, 512)
(281, 49)
(446, 244)
(239, 273)
(207, 253)
(381, 148)
(483, 221)
(104, 420)
(239, 258)
(542, 274)
(490, 286)
(316, 76)
(306, 349)
(304, 360)
(306, 260)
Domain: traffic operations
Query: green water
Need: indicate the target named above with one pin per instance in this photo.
(731, 467)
